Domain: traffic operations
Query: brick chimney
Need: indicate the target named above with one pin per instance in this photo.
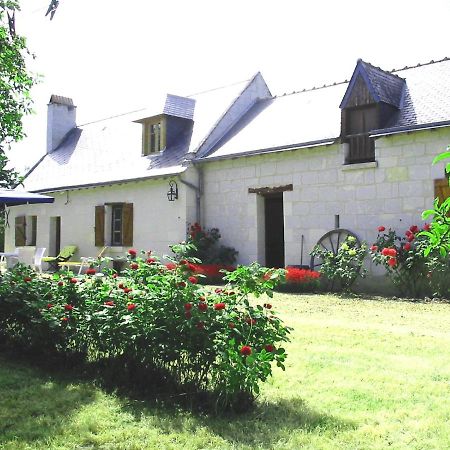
(61, 118)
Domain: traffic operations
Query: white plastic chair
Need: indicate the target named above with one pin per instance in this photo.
(37, 260)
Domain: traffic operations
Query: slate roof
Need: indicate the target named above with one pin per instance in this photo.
(312, 117)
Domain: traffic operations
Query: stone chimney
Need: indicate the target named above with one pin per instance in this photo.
(61, 118)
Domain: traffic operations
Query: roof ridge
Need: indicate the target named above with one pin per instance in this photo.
(336, 83)
(111, 117)
(219, 87)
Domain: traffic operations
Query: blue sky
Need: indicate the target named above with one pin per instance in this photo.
(113, 56)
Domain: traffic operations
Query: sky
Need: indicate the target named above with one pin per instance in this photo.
(114, 56)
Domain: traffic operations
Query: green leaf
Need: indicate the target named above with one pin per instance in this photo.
(441, 156)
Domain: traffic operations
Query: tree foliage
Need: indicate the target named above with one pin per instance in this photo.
(15, 85)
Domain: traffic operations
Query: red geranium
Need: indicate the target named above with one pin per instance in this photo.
(381, 229)
(414, 228)
(127, 290)
(202, 306)
(231, 325)
(27, 279)
(60, 283)
(219, 306)
(200, 325)
(410, 238)
(250, 321)
(218, 290)
(150, 260)
(134, 266)
(109, 303)
(269, 348)
(91, 271)
(188, 306)
(374, 248)
(131, 306)
(49, 305)
(193, 280)
(182, 284)
(427, 227)
(267, 305)
(407, 247)
(188, 314)
(68, 307)
(73, 280)
(132, 252)
(171, 266)
(246, 350)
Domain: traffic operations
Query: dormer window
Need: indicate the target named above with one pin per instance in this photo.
(153, 136)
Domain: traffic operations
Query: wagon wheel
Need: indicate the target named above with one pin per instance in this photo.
(331, 242)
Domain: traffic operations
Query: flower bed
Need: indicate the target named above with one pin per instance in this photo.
(300, 280)
(153, 317)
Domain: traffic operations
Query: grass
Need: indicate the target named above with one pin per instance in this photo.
(361, 374)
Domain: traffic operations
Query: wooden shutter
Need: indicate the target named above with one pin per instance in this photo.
(20, 236)
(441, 189)
(100, 226)
(127, 218)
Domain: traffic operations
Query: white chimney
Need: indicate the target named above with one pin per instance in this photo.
(61, 118)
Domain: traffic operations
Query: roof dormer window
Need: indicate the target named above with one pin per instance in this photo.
(153, 136)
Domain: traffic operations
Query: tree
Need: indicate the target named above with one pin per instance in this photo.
(15, 85)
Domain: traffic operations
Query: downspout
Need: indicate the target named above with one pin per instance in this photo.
(198, 193)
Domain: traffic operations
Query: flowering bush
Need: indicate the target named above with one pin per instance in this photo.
(153, 317)
(203, 245)
(342, 268)
(300, 280)
(212, 273)
(413, 273)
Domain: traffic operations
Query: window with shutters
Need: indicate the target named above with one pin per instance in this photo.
(154, 135)
(25, 231)
(359, 122)
(114, 224)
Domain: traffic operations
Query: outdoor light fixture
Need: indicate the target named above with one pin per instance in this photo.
(172, 194)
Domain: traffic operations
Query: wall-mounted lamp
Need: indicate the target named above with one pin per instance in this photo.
(172, 193)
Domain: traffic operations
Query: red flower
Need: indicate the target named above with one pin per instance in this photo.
(182, 284)
(60, 283)
(91, 271)
(414, 228)
(188, 314)
(49, 305)
(109, 303)
(374, 248)
(134, 266)
(127, 290)
(131, 306)
(132, 252)
(269, 348)
(250, 321)
(115, 275)
(121, 286)
(218, 291)
(246, 350)
(407, 247)
(188, 306)
(231, 325)
(410, 238)
(73, 280)
(27, 279)
(389, 252)
(200, 325)
(267, 305)
(202, 306)
(193, 280)
(68, 307)
(184, 262)
(427, 227)
(392, 262)
(219, 306)
(150, 260)
(381, 229)
(171, 266)
(64, 319)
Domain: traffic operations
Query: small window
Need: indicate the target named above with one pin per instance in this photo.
(25, 231)
(153, 137)
(114, 225)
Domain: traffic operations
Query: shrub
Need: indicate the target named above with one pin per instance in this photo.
(413, 273)
(300, 280)
(154, 318)
(204, 246)
(343, 268)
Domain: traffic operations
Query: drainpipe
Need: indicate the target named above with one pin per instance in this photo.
(198, 193)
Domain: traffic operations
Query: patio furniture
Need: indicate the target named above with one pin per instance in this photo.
(84, 262)
(64, 255)
(37, 260)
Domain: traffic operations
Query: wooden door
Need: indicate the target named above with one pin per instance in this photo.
(274, 225)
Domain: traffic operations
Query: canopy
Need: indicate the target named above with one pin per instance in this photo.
(11, 197)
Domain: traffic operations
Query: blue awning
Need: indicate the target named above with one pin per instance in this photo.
(11, 197)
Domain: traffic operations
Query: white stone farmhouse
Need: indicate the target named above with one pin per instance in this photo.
(273, 173)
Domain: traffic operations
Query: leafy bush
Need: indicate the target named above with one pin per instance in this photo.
(300, 280)
(413, 273)
(203, 245)
(154, 318)
(343, 268)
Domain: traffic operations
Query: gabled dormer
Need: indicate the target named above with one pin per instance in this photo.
(372, 100)
(162, 131)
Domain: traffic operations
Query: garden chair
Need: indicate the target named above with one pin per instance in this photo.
(83, 263)
(37, 260)
(64, 255)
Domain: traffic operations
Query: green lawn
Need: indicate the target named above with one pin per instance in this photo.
(361, 374)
